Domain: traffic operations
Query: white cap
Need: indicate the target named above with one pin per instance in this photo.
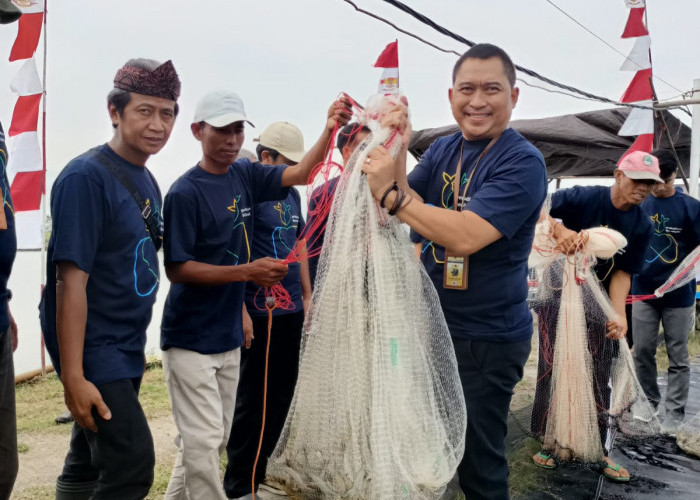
(219, 108)
(284, 138)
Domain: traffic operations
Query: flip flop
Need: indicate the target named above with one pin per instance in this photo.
(616, 468)
(545, 456)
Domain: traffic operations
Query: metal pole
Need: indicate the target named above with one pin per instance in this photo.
(43, 189)
(695, 142)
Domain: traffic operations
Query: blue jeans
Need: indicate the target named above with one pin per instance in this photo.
(8, 418)
(120, 456)
(489, 372)
(677, 322)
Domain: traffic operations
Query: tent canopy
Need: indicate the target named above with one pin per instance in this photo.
(579, 145)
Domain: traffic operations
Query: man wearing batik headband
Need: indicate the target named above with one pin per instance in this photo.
(102, 279)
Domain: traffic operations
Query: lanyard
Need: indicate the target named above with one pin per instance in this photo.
(458, 173)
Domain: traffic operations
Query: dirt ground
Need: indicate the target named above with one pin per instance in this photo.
(42, 461)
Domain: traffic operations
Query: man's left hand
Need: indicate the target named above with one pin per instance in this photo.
(617, 327)
(339, 114)
(379, 167)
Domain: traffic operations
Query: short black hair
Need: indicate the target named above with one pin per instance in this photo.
(348, 133)
(120, 98)
(260, 149)
(487, 51)
(667, 162)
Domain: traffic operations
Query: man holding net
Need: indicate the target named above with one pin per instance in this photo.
(208, 216)
(475, 198)
(278, 226)
(676, 220)
(586, 207)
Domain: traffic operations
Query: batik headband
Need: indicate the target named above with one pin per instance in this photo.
(161, 82)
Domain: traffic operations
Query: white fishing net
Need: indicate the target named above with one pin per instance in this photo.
(586, 384)
(688, 436)
(378, 410)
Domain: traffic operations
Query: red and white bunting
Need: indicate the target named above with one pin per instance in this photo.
(25, 166)
(640, 121)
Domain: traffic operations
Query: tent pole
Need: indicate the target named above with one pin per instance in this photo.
(695, 142)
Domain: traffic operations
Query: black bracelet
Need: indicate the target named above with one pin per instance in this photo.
(398, 201)
(393, 187)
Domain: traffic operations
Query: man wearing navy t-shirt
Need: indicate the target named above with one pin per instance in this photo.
(278, 226)
(8, 334)
(102, 278)
(484, 220)
(209, 213)
(617, 208)
(349, 137)
(676, 220)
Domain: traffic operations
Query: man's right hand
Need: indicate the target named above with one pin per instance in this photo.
(80, 396)
(267, 271)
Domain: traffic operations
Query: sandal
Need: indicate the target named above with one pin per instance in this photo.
(544, 455)
(615, 468)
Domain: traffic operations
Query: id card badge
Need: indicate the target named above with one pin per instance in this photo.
(456, 270)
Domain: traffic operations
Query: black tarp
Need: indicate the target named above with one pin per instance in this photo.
(579, 145)
(659, 468)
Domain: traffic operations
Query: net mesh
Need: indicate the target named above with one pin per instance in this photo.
(378, 410)
(688, 436)
(586, 384)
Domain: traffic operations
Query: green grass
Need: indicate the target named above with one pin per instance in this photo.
(525, 476)
(36, 493)
(39, 401)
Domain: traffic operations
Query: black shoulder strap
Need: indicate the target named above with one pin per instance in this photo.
(152, 225)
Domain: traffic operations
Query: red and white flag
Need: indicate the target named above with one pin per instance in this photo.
(26, 166)
(389, 60)
(635, 4)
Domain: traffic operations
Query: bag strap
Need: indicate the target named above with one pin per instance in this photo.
(152, 225)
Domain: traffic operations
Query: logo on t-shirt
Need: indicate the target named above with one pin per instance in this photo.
(662, 246)
(240, 252)
(284, 235)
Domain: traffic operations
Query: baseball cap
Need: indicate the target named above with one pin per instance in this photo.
(639, 165)
(284, 138)
(219, 108)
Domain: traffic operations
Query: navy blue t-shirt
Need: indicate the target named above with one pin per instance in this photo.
(676, 222)
(278, 225)
(507, 190)
(585, 207)
(98, 226)
(316, 238)
(209, 218)
(8, 238)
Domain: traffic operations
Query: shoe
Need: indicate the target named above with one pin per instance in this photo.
(64, 418)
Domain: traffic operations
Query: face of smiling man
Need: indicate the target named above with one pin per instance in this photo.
(482, 99)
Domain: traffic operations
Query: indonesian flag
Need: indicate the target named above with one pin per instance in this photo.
(389, 60)
(640, 121)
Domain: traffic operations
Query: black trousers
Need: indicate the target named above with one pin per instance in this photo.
(8, 418)
(489, 372)
(120, 456)
(283, 369)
